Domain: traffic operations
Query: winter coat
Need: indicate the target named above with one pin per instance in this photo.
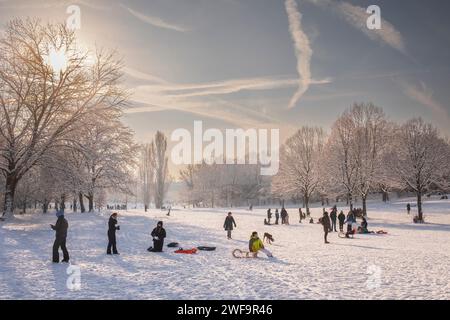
(61, 227)
(269, 214)
(229, 222)
(112, 225)
(255, 244)
(159, 232)
(341, 218)
(333, 215)
(326, 222)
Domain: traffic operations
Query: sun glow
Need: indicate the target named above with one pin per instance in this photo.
(57, 60)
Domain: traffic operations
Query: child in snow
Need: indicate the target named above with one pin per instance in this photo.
(158, 234)
(60, 227)
(228, 225)
(255, 244)
(112, 234)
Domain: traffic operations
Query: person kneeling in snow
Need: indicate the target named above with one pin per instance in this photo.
(255, 244)
(158, 234)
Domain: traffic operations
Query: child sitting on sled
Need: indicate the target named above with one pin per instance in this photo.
(255, 245)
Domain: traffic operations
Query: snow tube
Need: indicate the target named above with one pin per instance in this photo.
(206, 248)
(188, 251)
(173, 245)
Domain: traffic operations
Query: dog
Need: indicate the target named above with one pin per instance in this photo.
(268, 238)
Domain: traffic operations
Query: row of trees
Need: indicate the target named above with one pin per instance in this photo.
(364, 153)
(61, 138)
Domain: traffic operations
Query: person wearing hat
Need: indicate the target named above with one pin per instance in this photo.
(255, 245)
(60, 227)
(158, 234)
(112, 234)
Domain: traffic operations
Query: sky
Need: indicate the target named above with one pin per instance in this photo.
(266, 63)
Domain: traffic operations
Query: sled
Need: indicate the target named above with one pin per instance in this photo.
(237, 253)
(173, 245)
(206, 248)
(188, 251)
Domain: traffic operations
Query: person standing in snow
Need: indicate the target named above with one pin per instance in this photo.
(277, 216)
(300, 213)
(269, 215)
(255, 245)
(408, 208)
(341, 219)
(61, 228)
(333, 217)
(158, 234)
(228, 225)
(112, 234)
(283, 215)
(351, 219)
(326, 225)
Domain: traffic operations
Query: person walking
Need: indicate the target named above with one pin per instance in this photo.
(326, 225)
(228, 225)
(112, 234)
(408, 208)
(269, 215)
(61, 228)
(277, 216)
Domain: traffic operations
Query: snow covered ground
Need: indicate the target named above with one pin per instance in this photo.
(411, 262)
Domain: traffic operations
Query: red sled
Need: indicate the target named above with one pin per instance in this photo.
(189, 251)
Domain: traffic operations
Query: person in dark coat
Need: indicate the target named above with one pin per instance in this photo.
(228, 225)
(351, 219)
(283, 215)
(408, 208)
(277, 216)
(269, 215)
(333, 217)
(158, 234)
(341, 219)
(61, 228)
(326, 225)
(300, 214)
(112, 234)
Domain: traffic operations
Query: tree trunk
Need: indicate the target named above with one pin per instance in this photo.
(350, 201)
(306, 202)
(74, 204)
(419, 206)
(90, 198)
(364, 204)
(10, 191)
(45, 206)
(80, 198)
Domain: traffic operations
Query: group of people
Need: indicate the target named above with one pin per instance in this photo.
(283, 214)
(158, 234)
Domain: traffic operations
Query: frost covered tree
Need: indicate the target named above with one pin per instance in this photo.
(299, 174)
(147, 173)
(161, 169)
(418, 159)
(47, 85)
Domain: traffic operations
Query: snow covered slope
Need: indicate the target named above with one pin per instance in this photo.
(411, 262)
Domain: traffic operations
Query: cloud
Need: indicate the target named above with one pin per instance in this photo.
(155, 21)
(357, 17)
(303, 50)
(139, 75)
(424, 96)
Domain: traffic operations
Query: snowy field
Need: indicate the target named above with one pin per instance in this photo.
(411, 262)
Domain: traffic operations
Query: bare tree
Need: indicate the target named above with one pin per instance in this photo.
(418, 158)
(147, 173)
(299, 173)
(161, 168)
(40, 102)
